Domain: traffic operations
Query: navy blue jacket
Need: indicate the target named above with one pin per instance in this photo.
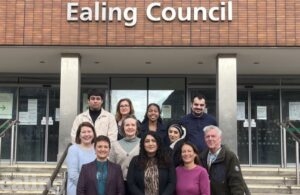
(194, 127)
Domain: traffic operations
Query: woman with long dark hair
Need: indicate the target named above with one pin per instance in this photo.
(152, 171)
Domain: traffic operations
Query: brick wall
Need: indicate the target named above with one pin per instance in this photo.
(255, 23)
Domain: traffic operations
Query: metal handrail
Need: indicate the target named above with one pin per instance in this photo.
(297, 138)
(9, 124)
(56, 170)
(297, 141)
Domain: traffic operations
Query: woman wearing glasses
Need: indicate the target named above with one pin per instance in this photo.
(124, 109)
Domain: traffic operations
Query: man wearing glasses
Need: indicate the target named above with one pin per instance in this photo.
(196, 121)
(103, 121)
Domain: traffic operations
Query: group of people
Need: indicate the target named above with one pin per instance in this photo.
(119, 155)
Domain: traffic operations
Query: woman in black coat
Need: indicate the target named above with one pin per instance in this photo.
(152, 171)
(153, 122)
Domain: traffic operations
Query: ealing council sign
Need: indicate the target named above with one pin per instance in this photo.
(101, 12)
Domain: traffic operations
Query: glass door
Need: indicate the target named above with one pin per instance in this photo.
(262, 129)
(8, 99)
(37, 132)
(266, 136)
(52, 124)
(290, 112)
(243, 128)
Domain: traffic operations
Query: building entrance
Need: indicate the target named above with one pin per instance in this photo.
(259, 135)
(37, 132)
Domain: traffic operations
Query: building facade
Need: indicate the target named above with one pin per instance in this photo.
(242, 55)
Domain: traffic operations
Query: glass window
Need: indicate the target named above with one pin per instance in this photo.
(133, 88)
(169, 94)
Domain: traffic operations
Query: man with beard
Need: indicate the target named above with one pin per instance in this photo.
(196, 121)
(103, 121)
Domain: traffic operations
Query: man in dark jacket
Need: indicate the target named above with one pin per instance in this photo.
(222, 165)
(196, 121)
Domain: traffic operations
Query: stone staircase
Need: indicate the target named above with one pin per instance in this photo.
(28, 179)
(267, 180)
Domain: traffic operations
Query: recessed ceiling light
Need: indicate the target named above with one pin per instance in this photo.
(96, 62)
(200, 62)
(255, 62)
(42, 62)
(148, 62)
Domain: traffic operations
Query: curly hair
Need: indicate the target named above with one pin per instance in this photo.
(162, 158)
(146, 119)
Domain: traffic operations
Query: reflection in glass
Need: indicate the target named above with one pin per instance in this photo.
(11, 114)
(31, 135)
(242, 129)
(288, 96)
(266, 137)
(53, 128)
(168, 93)
(138, 98)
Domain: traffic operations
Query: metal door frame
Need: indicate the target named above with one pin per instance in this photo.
(282, 134)
(46, 127)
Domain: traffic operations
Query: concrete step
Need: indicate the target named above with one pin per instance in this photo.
(271, 180)
(32, 168)
(275, 180)
(28, 179)
(25, 192)
(268, 171)
(273, 189)
(31, 179)
(267, 193)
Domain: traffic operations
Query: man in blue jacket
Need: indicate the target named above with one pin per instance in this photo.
(196, 121)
